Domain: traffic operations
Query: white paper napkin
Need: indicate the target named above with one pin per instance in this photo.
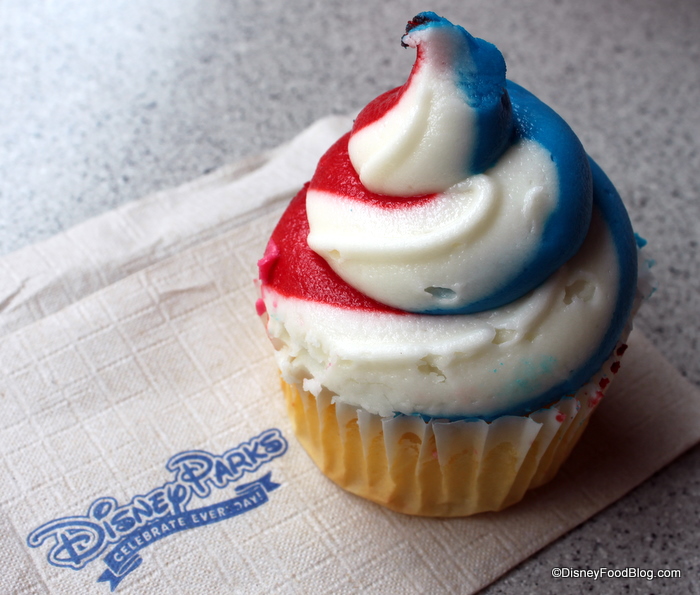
(144, 445)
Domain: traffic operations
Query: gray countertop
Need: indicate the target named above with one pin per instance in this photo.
(103, 103)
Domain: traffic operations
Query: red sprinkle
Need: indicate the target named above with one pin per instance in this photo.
(615, 368)
(621, 349)
(260, 307)
(596, 398)
(604, 382)
(561, 417)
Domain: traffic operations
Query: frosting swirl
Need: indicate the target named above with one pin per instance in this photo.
(451, 118)
(494, 197)
(456, 255)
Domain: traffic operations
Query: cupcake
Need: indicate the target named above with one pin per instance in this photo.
(449, 296)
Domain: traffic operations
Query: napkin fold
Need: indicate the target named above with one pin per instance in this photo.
(144, 446)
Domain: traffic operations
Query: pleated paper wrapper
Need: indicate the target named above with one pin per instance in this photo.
(442, 468)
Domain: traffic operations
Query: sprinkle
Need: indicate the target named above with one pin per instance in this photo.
(615, 368)
(260, 307)
(560, 417)
(621, 349)
(595, 399)
(604, 382)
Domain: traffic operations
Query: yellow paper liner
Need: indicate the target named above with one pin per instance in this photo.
(442, 468)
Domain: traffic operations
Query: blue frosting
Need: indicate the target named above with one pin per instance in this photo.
(566, 227)
(506, 113)
(480, 72)
(612, 210)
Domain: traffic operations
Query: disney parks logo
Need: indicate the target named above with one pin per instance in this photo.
(127, 529)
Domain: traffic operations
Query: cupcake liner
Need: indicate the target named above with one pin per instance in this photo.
(438, 467)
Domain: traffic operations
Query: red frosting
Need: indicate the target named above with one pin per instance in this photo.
(289, 266)
(292, 269)
(267, 263)
(379, 106)
(376, 108)
(336, 174)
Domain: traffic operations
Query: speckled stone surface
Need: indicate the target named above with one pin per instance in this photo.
(103, 103)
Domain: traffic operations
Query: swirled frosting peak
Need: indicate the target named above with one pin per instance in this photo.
(451, 119)
(447, 196)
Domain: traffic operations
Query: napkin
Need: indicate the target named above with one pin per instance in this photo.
(144, 446)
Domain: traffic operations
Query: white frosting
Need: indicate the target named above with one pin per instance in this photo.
(424, 143)
(452, 365)
(446, 253)
(468, 244)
